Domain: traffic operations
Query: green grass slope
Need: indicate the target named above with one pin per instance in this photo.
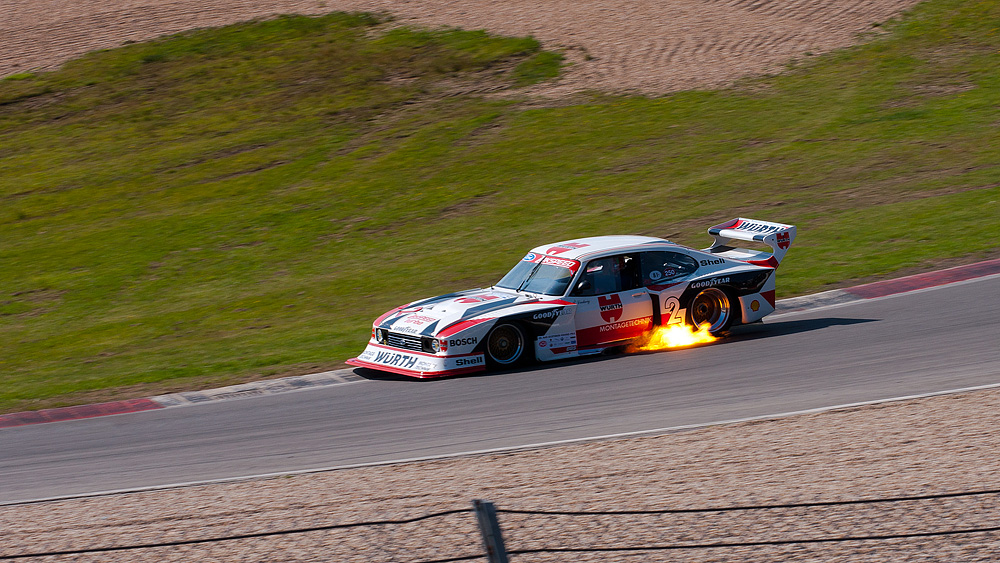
(241, 202)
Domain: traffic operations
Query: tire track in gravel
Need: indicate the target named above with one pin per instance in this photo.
(646, 46)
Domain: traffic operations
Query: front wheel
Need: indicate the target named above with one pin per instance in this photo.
(714, 307)
(505, 345)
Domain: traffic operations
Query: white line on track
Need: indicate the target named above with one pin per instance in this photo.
(538, 445)
(509, 449)
(882, 298)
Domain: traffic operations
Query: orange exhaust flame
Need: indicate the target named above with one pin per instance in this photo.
(675, 336)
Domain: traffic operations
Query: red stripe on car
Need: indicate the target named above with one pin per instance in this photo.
(769, 296)
(771, 262)
(459, 326)
(411, 373)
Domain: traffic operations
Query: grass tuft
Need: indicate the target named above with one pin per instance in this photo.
(19, 76)
(541, 66)
(241, 202)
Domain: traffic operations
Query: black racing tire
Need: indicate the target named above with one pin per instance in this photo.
(715, 307)
(507, 345)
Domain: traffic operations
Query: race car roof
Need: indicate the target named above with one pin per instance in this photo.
(580, 247)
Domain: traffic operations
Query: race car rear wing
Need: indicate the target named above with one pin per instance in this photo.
(776, 235)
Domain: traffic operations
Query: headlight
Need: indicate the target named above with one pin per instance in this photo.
(380, 336)
(430, 345)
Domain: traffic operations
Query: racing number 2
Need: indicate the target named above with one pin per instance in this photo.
(672, 312)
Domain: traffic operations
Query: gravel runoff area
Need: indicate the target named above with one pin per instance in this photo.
(651, 46)
(935, 445)
(925, 446)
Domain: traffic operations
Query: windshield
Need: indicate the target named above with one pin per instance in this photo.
(540, 274)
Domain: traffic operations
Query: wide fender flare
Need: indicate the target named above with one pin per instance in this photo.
(735, 285)
(537, 320)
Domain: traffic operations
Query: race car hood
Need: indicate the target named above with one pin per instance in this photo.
(429, 316)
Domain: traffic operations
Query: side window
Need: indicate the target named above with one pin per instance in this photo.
(598, 277)
(660, 266)
(631, 271)
(609, 275)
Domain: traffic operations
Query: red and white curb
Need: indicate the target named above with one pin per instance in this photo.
(889, 287)
(259, 388)
(340, 377)
(75, 413)
(253, 389)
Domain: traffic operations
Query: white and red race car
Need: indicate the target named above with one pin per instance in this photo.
(581, 297)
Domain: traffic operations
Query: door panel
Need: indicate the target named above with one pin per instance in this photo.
(612, 306)
(604, 319)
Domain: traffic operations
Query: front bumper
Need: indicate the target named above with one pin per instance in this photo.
(417, 364)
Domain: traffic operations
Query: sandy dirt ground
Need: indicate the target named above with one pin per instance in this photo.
(650, 46)
(936, 445)
(918, 447)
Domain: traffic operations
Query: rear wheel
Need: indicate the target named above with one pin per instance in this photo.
(506, 345)
(714, 307)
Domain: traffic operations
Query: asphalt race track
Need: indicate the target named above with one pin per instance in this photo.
(920, 342)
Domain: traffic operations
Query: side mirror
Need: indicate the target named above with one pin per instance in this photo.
(584, 285)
